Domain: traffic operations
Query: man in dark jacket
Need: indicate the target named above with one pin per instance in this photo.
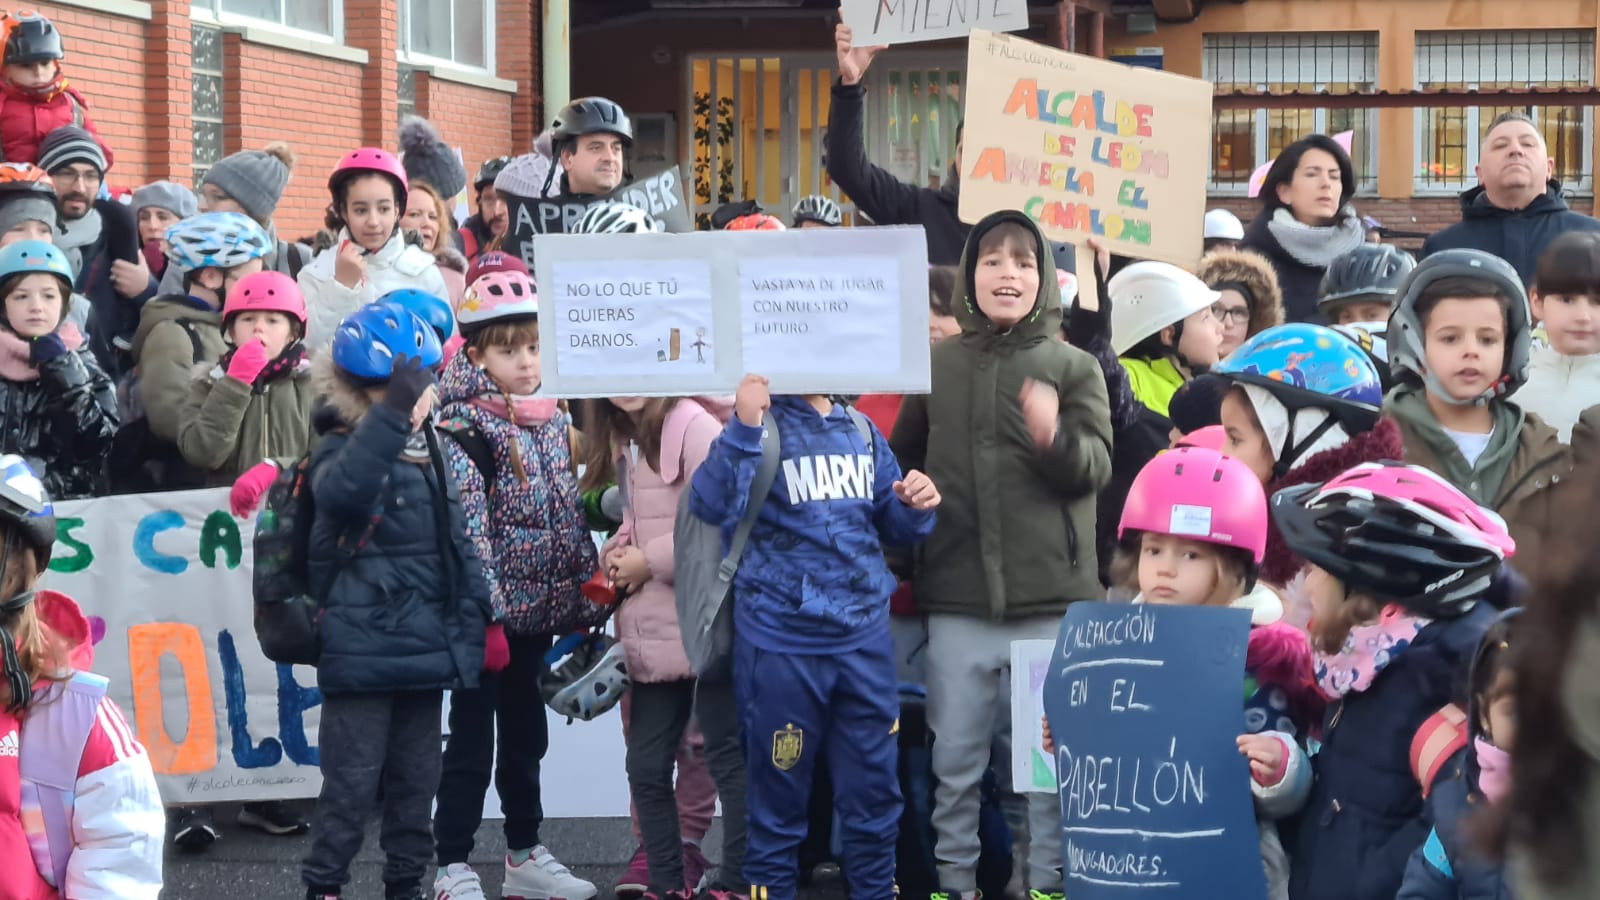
(1516, 210)
(884, 198)
(94, 234)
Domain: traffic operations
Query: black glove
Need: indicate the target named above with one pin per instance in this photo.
(407, 380)
(46, 347)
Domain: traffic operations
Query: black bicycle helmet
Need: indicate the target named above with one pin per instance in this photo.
(1399, 533)
(591, 115)
(33, 38)
(489, 171)
(1369, 273)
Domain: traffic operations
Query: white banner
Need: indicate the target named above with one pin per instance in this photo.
(817, 310)
(165, 579)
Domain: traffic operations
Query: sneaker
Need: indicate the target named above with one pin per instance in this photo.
(719, 892)
(543, 877)
(944, 895)
(410, 891)
(636, 879)
(458, 882)
(1059, 894)
(273, 817)
(194, 829)
(321, 894)
(696, 869)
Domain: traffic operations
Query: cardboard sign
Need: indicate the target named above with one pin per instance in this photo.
(165, 580)
(660, 194)
(876, 22)
(1032, 769)
(1145, 703)
(817, 310)
(1086, 147)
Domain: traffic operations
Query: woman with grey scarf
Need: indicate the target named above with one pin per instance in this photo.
(1306, 220)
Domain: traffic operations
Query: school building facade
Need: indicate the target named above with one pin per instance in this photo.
(737, 91)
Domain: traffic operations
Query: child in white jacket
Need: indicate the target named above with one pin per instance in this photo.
(1564, 368)
(369, 257)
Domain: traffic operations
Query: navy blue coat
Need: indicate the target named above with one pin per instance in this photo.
(1446, 867)
(1365, 816)
(1516, 236)
(409, 609)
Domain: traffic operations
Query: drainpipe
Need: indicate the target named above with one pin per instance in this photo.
(555, 55)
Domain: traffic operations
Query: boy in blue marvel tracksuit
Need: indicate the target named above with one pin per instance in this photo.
(813, 664)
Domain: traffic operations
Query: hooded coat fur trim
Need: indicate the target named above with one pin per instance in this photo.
(1254, 272)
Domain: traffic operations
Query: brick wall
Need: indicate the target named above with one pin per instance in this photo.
(468, 117)
(1419, 214)
(102, 50)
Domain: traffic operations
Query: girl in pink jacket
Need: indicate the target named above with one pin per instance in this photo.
(652, 447)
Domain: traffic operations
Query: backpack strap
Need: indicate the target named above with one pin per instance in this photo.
(297, 256)
(1441, 736)
(54, 734)
(766, 474)
(863, 425)
(194, 339)
(470, 438)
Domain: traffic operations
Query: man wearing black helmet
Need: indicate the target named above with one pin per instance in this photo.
(490, 221)
(590, 136)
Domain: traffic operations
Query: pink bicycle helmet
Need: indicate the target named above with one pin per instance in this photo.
(1399, 533)
(1197, 493)
(266, 292)
(497, 297)
(371, 159)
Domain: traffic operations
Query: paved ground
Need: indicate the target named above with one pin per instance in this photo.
(247, 865)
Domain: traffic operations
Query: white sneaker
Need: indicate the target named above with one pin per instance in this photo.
(543, 877)
(458, 882)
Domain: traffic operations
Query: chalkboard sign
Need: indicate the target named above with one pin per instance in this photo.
(1145, 703)
(660, 194)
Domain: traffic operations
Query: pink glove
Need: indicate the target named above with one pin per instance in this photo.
(247, 490)
(248, 361)
(496, 652)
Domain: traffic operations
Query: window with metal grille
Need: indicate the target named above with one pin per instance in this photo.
(205, 101)
(1448, 140)
(1243, 140)
(406, 84)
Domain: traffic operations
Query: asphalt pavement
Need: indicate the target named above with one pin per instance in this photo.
(248, 865)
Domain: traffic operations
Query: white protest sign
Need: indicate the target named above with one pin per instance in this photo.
(818, 311)
(165, 579)
(1032, 769)
(876, 22)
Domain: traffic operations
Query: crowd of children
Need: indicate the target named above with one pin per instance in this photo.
(1368, 488)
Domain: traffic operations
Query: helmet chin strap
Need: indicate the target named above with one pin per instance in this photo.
(1291, 453)
(1500, 388)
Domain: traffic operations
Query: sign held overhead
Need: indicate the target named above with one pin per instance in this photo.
(878, 22)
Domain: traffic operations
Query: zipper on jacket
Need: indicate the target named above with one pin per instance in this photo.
(1072, 537)
(266, 422)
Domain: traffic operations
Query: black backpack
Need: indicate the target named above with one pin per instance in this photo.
(287, 607)
(140, 462)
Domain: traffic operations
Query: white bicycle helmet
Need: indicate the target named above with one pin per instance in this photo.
(588, 675)
(819, 209)
(1405, 334)
(216, 240)
(611, 217)
(1149, 296)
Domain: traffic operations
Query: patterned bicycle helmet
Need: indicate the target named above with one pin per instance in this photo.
(1304, 365)
(25, 178)
(265, 292)
(25, 503)
(819, 209)
(587, 675)
(756, 222)
(1399, 533)
(1405, 336)
(611, 217)
(369, 340)
(500, 296)
(368, 160)
(430, 308)
(216, 240)
(32, 257)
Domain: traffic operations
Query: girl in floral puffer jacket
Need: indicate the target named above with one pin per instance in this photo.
(511, 459)
(652, 447)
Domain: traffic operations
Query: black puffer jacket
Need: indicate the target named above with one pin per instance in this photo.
(406, 611)
(61, 417)
(1517, 236)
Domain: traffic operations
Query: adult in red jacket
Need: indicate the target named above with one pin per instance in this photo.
(885, 199)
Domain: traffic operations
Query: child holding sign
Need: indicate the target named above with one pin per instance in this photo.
(1404, 572)
(88, 823)
(1018, 429)
(813, 666)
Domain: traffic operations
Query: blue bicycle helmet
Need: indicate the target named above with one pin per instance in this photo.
(31, 257)
(1306, 365)
(216, 240)
(428, 307)
(369, 340)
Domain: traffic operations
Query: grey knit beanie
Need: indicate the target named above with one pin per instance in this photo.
(30, 207)
(167, 195)
(525, 176)
(255, 179)
(426, 158)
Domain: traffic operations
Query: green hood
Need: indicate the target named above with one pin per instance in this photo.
(170, 308)
(1044, 323)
